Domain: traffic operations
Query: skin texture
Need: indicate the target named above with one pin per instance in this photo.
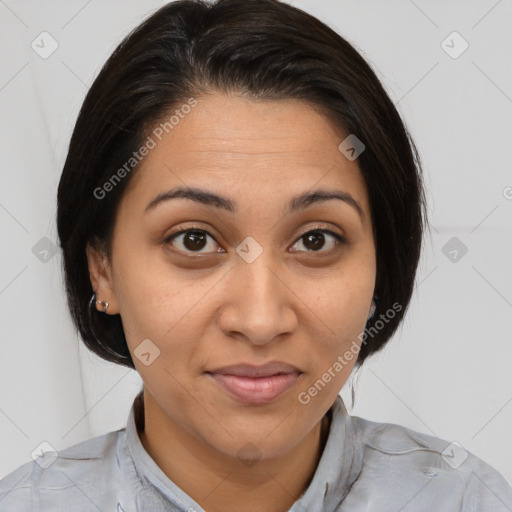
(300, 303)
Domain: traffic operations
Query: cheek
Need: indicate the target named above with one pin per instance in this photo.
(151, 295)
(345, 299)
(341, 308)
(335, 347)
(168, 312)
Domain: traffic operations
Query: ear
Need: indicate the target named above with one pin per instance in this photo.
(100, 273)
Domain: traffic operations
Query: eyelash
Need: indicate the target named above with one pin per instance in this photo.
(339, 240)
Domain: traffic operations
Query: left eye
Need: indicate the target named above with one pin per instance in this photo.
(196, 240)
(315, 240)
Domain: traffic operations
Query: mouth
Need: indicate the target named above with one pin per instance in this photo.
(256, 384)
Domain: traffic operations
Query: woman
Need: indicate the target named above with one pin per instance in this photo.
(241, 215)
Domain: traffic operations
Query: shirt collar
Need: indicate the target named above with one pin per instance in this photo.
(339, 466)
(158, 490)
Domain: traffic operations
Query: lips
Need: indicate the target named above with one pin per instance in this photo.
(247, 370)
(256, 384)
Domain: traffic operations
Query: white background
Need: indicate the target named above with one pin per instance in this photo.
(447, 372)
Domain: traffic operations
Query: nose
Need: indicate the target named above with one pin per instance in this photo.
(259, 301)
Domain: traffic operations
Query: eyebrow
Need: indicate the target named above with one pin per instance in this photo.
(297, 203)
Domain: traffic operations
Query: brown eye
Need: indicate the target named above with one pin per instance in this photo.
(318, 239)
(192, 241)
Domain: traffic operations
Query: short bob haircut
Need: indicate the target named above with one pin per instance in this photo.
(263, 50)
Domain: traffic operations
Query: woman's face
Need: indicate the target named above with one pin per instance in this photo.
(244, 285)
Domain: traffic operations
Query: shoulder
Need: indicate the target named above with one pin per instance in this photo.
(63, 474)
(414, 462)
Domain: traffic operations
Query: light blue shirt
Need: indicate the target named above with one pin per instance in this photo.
(365, 466)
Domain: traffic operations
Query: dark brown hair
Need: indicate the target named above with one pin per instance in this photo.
(264, 49)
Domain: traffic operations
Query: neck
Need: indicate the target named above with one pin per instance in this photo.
(216, 481)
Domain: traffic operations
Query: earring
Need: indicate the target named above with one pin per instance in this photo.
(103, 304)
(373, 307)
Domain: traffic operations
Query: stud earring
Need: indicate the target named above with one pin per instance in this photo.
(103, 305)
(373, 307)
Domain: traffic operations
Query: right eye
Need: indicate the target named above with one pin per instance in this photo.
(192, 240)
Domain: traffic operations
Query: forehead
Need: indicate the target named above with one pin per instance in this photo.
(247, 147)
